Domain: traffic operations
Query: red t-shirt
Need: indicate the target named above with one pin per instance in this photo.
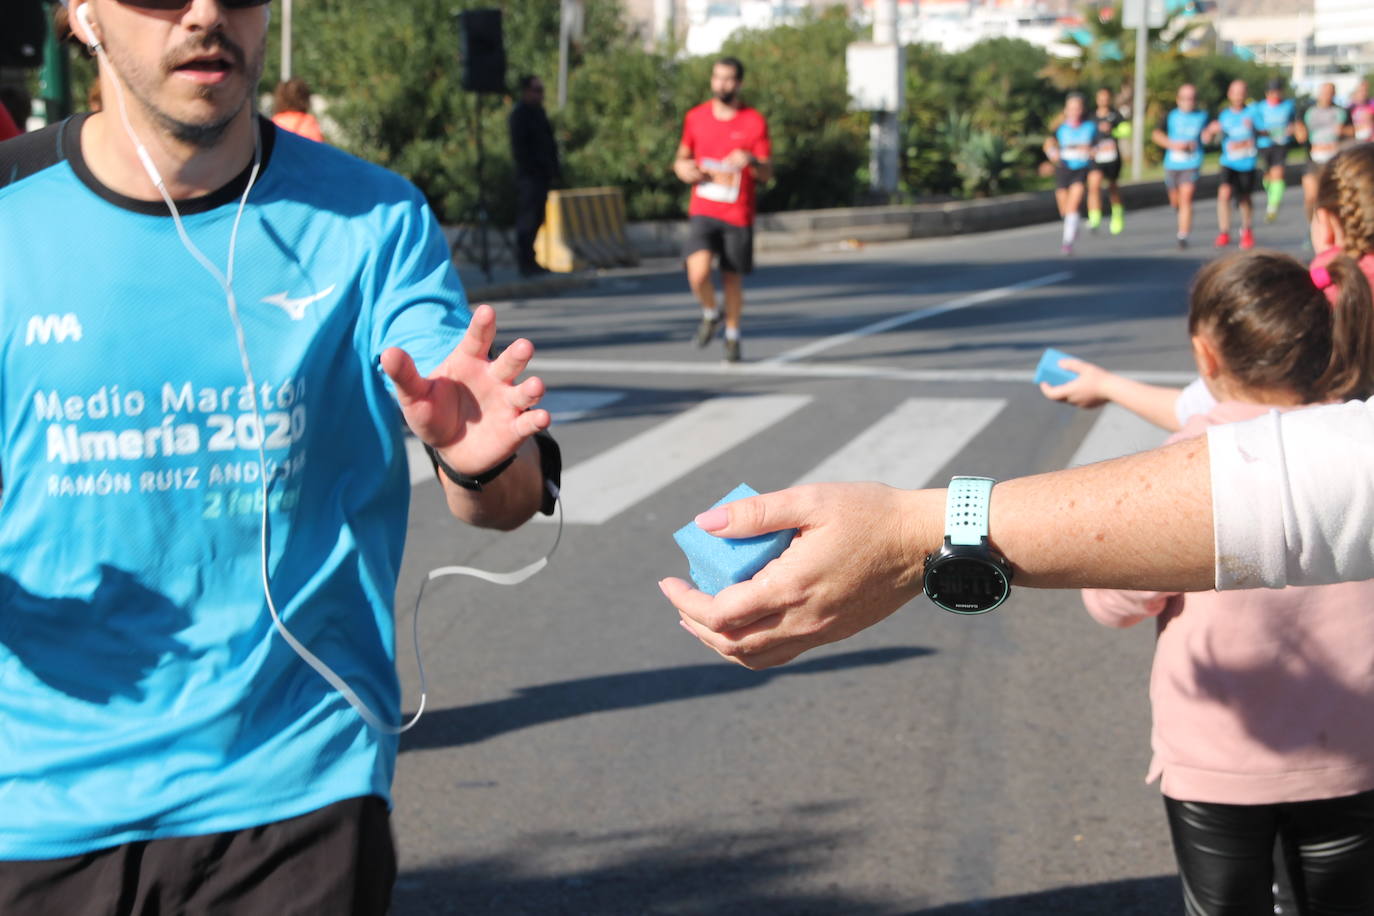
(728, 194)
(8, 128)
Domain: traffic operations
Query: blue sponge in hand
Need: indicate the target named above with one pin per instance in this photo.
(717, 562)
(1048, 370)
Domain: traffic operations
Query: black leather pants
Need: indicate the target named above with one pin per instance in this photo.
(1226, 855)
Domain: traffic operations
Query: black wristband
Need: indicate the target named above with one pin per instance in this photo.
(473, 483)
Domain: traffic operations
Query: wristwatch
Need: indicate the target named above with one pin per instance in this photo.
(966, 576)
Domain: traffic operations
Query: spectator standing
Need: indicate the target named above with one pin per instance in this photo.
(724, 153)
(537, 170)
(291, 109)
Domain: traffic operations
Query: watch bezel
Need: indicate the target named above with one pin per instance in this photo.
(979, 553)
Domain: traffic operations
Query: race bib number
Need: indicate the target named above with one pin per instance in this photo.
(1106, 152)
(1241, 149)
(1364, 133)
(722, 184)
(1076, 153)
(1323, 152)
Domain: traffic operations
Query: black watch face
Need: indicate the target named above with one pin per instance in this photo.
(966, 585)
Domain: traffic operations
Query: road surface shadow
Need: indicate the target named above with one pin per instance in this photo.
(568, 699)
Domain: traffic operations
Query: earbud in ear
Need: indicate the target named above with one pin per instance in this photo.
(83, 15)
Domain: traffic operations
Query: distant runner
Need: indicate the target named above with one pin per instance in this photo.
(1106, 165)
(1239, 154)
(1180, 133)
(1070, 148)
(1277, 123)
(1325, 124)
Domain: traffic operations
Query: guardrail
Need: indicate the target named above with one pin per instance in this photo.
(584, 227)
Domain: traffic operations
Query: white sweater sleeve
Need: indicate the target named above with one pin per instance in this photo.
(1293, 497)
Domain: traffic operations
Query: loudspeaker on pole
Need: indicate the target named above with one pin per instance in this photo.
(482, 50)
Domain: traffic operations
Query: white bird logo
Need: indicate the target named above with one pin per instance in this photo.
(295, 307)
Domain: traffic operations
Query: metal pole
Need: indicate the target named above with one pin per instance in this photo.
(286, 39)
(564, 38)
(1142, 50)
(884, 132)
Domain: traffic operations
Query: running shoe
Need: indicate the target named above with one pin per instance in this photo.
(707, 330)
(1182, 242)
(1223, 239)
(732, 350)
(1066, 250)
(1270, 215)
(1117, 224)
(1247, 239)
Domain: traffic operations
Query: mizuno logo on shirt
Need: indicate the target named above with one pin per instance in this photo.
(45, 328)
(295, 307)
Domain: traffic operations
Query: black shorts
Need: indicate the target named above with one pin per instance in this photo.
(734, 245)
(339, 859)
(1274, 155)
(1242, 183)
(1065, 177)
(1111, 171)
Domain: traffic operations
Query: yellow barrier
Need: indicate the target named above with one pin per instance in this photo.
(584, 227)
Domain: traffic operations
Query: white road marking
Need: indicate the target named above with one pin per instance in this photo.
(1117, 432)
(608, 483)
(896, 321)
(900, 449)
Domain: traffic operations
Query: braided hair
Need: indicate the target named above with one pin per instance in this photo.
(1345, 189)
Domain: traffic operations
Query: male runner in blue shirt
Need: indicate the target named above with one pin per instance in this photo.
(166, 522)
(1235, 126)
(1276, 121)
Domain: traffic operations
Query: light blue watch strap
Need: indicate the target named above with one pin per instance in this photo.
(966, 510)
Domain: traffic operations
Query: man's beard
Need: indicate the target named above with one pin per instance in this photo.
(727, 98)
(201, 134)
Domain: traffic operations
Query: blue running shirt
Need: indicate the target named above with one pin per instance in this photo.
(143, 690)
(1076, 143)
(1238, 150)
(1271, 121)
(1185, 125)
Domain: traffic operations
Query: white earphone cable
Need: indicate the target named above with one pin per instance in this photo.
(226, 280)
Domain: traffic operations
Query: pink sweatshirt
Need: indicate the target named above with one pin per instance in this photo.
(1258, 696)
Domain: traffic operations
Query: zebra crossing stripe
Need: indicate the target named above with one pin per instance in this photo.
(605, 485)
(900, 451)
(1117, 432)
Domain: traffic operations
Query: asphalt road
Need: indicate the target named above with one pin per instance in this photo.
(582, 754)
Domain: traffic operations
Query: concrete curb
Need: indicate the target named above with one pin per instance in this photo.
(802, 229)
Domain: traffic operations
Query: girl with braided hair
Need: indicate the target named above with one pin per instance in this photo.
(1342, 224)
(1343, 218)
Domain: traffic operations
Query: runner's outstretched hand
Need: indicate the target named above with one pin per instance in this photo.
(470, 408)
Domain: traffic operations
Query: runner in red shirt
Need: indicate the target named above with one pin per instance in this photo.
(724, 152)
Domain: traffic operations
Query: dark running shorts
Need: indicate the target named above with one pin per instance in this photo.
(1175, 177)
(1111, 171)
(734, 245)
(1065, 177)
(1243, 183)
(1274, 155)
(339, 859)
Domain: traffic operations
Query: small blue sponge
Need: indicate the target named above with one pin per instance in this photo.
(1048, 370)
(717, 562)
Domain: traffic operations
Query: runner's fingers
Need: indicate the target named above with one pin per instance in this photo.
(480, 333)
(512, 361)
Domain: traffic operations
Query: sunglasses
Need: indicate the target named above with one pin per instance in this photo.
(178, 4)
